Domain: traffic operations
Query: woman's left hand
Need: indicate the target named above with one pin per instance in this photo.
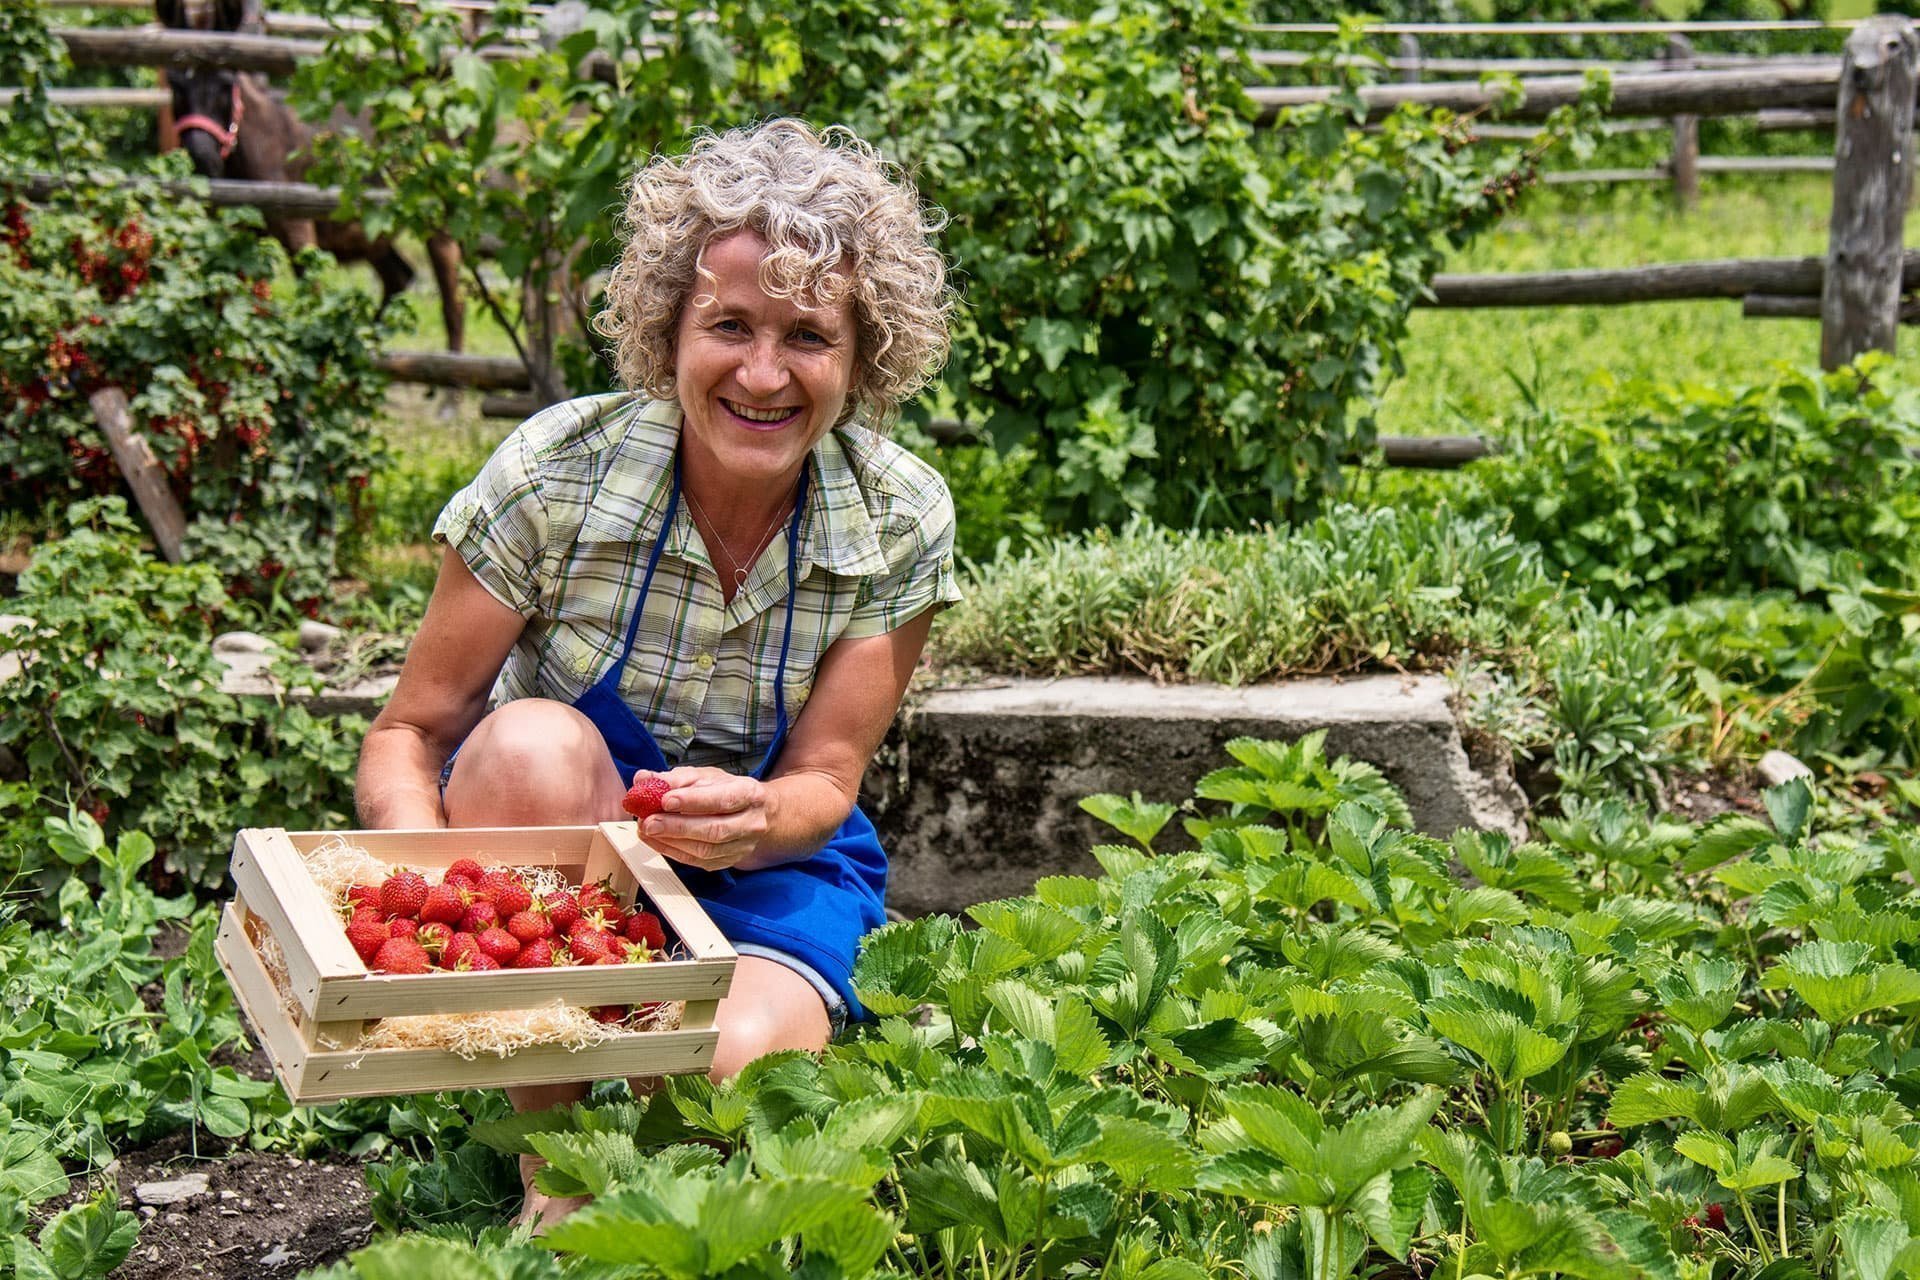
(711, 819)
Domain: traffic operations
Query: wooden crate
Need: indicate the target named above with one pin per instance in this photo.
(335, 991)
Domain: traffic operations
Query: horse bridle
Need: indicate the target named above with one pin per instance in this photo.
(225, 135)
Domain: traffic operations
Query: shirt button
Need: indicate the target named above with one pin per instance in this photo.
(683, 730)
(704, 662)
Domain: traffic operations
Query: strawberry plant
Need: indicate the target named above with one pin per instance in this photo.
(117, 708)
(1309, 1047)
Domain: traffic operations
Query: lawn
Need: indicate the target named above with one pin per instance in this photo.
(1465, 370)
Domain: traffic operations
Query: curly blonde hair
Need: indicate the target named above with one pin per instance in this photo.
(841, 221)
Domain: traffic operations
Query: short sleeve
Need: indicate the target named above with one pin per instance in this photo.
(920, 572)
(498, 525)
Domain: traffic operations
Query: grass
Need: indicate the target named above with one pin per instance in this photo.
(1464, 368)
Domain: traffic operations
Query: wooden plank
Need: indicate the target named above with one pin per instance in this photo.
(658, 881)
(253, 989)
(152, 489)
(1872, 184)
(96, 99)
(440, 846)
(393, 995)
(1736, 91)
(1699, 26)
(274, 881)
(296, 199)
(372, 1073)
(1568, 177)
(1766, 164)
(155, 47)
(1768, 306)
(1665, 282)
(449, 369)
(1684, 162)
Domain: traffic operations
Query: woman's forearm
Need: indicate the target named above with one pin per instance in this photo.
(398, 783)
(803, 812)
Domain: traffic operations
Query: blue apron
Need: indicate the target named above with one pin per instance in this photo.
(816, 910)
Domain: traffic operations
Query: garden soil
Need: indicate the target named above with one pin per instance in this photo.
(263, 1214)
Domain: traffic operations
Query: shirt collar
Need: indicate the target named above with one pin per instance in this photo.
(630, 500)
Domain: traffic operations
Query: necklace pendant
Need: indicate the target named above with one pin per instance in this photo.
(739, 578)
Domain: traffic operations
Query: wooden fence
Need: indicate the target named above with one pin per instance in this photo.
(1856, 289)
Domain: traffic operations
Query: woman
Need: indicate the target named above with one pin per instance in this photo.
(724, 578)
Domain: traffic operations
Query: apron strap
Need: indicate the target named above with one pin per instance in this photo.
(646, 583)
(786, 637)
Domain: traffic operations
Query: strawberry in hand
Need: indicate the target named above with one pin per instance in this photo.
(643, 798)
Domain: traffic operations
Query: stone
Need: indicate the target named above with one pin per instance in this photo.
(9, 660)
(1777, 767)
(173, 1191)
(318, 638)
(237, 642)
(976, 793)
(279, 1256)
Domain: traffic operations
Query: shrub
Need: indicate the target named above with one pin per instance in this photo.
(117, 707)
(1667, 492)
(1350, 590)
(255, 404)
(1174, 315)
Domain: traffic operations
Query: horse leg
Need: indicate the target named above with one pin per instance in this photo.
(395, 272)
(444, 250)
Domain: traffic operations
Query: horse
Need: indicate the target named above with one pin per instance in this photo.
(234, 127)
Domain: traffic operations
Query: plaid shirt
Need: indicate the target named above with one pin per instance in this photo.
(558, 526)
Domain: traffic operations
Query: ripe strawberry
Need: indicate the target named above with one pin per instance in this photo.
(644, 926)
(643, 799)
(1606, 1148)
(435, 936)
(1716, 1217)
(611, 1013)
(597, 897)
(403, 893)
(461, 946)
(400, 955)
(480, 961)
(609, 958)
(499, 944)
(402, 927)
(537, 954)
(510, 896)
(363, 895)
(366, 931)
(480, 917)
(444, 904)
(589, 945)
(466, 868)
(562, 909)
(631, 952)
(529, 926)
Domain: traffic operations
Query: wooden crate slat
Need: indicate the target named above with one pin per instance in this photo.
(379, 1072)
(253, 988)
(440, 846)
(658, 881)
(381, 995)
(262, 896)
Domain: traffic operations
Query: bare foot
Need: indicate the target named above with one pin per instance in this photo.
(540, 1210)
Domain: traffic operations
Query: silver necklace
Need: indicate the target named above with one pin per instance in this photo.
(740, 566)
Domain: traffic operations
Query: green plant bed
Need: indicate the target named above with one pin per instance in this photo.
(1311, 1045)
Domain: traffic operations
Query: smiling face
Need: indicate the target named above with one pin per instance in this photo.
(761, 379)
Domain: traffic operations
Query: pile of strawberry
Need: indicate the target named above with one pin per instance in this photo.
(478, 918)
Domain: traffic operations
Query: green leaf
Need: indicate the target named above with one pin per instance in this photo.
(1135, 818)
(1790, 805)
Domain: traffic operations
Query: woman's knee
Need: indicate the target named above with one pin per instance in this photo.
(770, 1008)
(533, 762)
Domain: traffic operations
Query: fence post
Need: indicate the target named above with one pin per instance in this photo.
(1872, 179)
(1409, 53)
(1685, 164)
